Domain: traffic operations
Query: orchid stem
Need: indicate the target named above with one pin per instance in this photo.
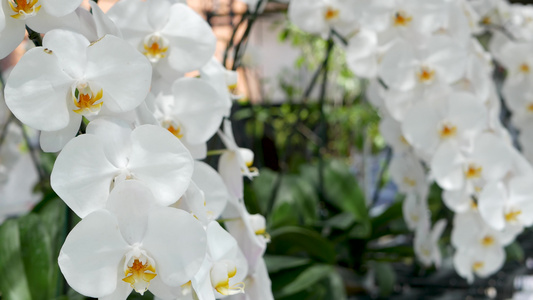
(216, 152)
(379, 184)
(323, 126)
(251, 20)
(285, 154)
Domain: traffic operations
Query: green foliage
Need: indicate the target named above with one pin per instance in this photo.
(385, 277)
(315, 235)
(28, 254)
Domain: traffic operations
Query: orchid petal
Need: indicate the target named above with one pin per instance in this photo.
(39, 99)
(84, 188)
(160, 160)
(54, 141)
(192, 40)
(91, 254)
(129, 201)
(177, 242)
(122, 72)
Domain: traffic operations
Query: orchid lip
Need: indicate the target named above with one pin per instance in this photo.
(24, 8)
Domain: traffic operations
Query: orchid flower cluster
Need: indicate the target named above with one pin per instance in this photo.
(431, 80)
(150, 208)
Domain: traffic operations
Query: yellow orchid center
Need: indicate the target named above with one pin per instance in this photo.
(425, 75)
(447, 130)
(524, 68)
(404, 141)
(221, 272)
(473, 204)
(487, 241)
(174, 128)
(139, 275)
(401, 18)
(86, 102)
(473, 171)
(414, 217)
(186, 288)
(478, 265)
(331, 14)
(512, 216)
(23, 8)
(409, 181)
(155, 48)
(530, 107)
(175, 131)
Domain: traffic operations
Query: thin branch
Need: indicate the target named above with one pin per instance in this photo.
(379, 184)
(232, 39)
(251, 20)
(323, 126)
(285, 154)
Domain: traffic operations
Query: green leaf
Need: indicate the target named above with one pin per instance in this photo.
(341, 221)
(283, 215)
(306, 280)
(393, 212)
(289, 240)
(342, 190)
(276, 263)
(301, 195)
(385, 277)
(514, 252)
(337, 290)
(36, 256)
(263, 187)
(13, 283)
(53, 216)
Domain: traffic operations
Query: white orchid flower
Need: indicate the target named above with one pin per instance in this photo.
(215, 191)
(415, 209)
(207, 195)
(235, 162)
(438, 59)
(408, 18)
(112, 152)
(52, 87)
(490, 160)
(503, 205)
(408, 174)
(193, 113)
(258, 285)
(517, 58)
(40, 15)
(456, 119)
(362, 53)
(459, 201)
(223, 80)
(479, 247)
(391, 130)
(132, 244)
(249, 231)
(95, 24)
(319, 17)
(426, 242)
(221, 274)
(171, 35)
